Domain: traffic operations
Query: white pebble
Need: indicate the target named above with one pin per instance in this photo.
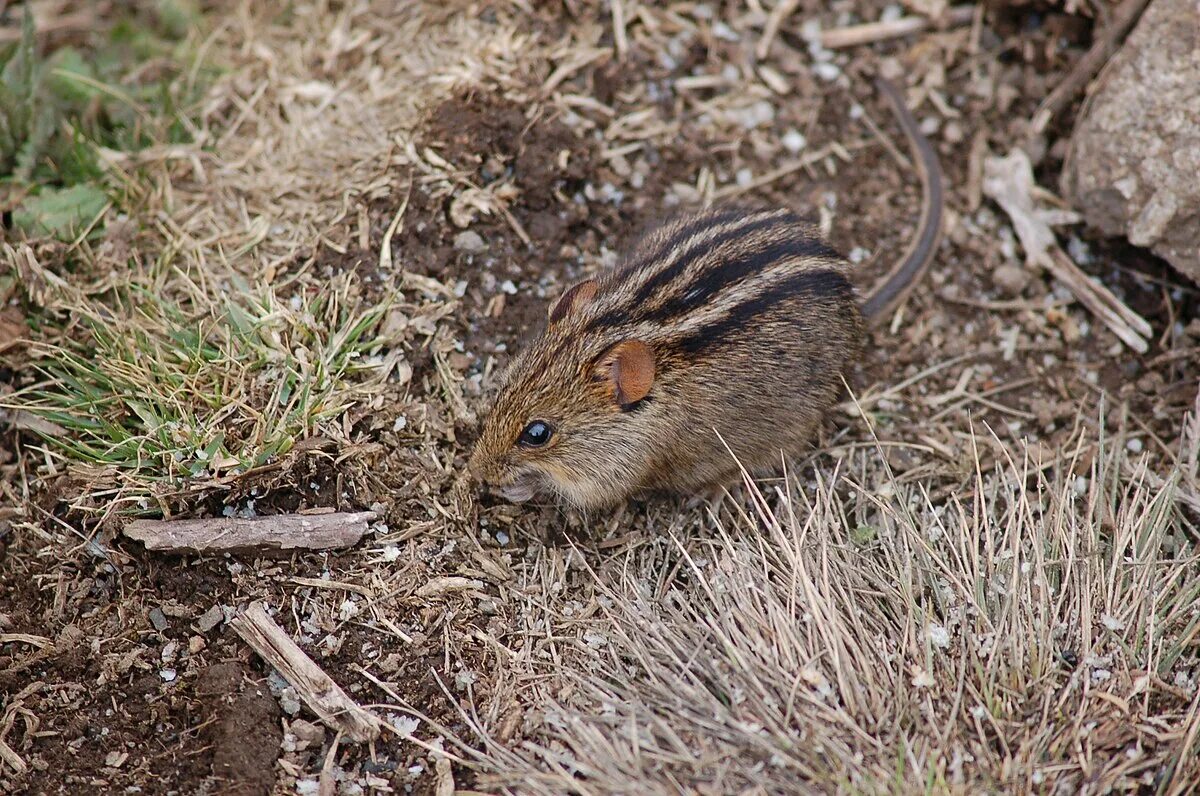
(469, 241)
(1134, 445)
(794, 141)
(723, 31)
(508, 287)
(405, 725)
(938, 636)
(744, 177)
(827, 71)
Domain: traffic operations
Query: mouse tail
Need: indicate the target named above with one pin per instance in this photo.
(909, 268)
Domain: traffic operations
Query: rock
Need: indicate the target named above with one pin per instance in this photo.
(1010, 279)
(1135, 153)
(210, 619)
(158, 619)
(469, 241)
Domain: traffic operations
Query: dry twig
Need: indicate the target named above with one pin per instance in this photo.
(1123, 18)
(278, 532)
(12, 759)
(778, 14)
(1009, 181)
(872, 32)
(322, 695)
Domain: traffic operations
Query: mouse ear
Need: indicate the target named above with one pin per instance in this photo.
(575, 296)
(629, 367)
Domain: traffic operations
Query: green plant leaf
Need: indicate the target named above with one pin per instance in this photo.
(72, 79)
(62, 213)
(178, 16)
(37, 139)
(20, 68)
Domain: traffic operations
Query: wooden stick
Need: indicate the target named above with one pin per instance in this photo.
(871, 32)
(778, 14)
(14, 761)
(323, 696)
(620, 43)
(25, 638)
(276, 532)
(1009, 182)
(1123, 18)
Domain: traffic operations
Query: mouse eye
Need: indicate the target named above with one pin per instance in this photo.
(535, 435)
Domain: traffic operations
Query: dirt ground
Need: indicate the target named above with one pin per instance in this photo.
(555, 146)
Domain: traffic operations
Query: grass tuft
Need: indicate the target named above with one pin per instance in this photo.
(167, 392)
(1037, 627)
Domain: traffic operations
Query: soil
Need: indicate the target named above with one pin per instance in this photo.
(130, 687)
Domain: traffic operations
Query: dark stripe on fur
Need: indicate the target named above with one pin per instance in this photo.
(628, 311)
(641, 257)
(727, 273)
(813, 285)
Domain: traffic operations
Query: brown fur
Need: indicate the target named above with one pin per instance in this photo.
(751, 324)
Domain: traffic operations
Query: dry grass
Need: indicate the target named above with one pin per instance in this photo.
(931, 605)
(1030, 633)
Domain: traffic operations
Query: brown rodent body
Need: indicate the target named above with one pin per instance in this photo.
(719, 343)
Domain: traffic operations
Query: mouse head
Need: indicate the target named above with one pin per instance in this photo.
(574, 417)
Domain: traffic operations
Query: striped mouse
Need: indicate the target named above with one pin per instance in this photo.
(722, 337)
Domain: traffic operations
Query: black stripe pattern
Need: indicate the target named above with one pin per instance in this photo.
(733, 263)
(813, 285)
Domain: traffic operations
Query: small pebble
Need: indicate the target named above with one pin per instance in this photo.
(1134, 445)
(723, 31)
(469, 241)
(210, 619)
(159, 620)
(794, 141)
(953, 132)
(827, 71)
(1010, 279)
